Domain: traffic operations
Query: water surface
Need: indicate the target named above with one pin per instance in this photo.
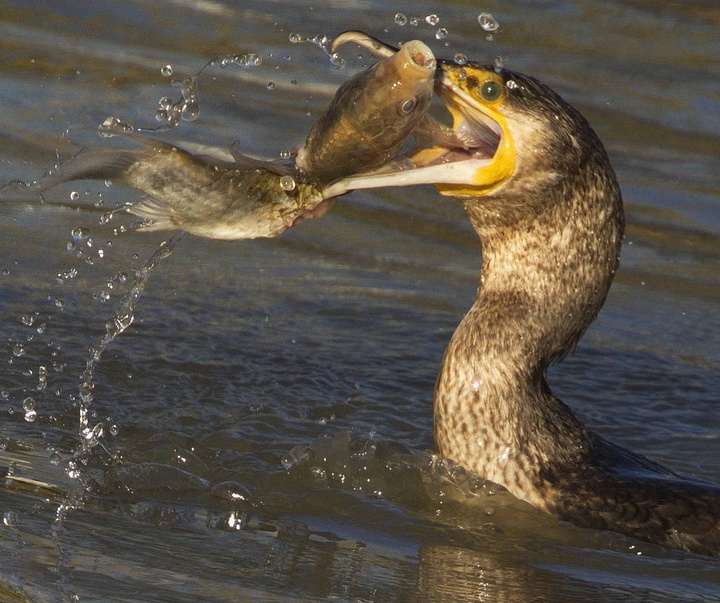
(267, 417)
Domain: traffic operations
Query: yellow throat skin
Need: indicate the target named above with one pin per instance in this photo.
(465, 102)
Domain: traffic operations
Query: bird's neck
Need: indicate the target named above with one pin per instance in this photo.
(542, 284)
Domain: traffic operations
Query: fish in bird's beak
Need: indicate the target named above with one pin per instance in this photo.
(371, 116)
(473, 156)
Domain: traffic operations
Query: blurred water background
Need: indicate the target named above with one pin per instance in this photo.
(266, 420)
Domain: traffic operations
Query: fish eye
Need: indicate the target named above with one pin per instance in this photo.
(408, 106)
(491, 91)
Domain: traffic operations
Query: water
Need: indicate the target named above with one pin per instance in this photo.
(317, 351)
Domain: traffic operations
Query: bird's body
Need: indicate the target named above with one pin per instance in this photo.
(540, 192)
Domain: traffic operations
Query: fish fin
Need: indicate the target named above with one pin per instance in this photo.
(92, 163)
(248, 162)
(153, 211)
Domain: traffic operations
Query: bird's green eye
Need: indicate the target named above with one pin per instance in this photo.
(491, 91)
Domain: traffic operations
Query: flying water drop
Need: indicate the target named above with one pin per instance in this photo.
(112, 126)
(460, 59)
(287, 183)
(488, 22)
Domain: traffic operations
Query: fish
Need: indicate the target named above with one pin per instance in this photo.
(368, 121)
(371, 116)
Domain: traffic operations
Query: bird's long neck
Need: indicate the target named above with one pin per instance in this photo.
(543, 281)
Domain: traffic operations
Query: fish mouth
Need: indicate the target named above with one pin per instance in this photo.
(472, 157)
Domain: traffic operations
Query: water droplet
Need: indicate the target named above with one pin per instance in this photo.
(28, 404)
(79, 233)
(441, 33)
(499, 63)
(400, 19)
(337, 60)
(232, 492)
(165, 103)
(166, 71)
(30, 416)
(42, 377)
(296, 456)
(488, 22)
(55, 458)
(287, 183)
(295, 38)
(414, 21)
(270, 86)
(10, 519)
(320, 40)
(41, 328)
(28, 320)
(285, 154)
(59, 302)
(460, 59)
(253, 60)
(92, 436)
(114, 430)
(112, 126)
(319, 475)
(72, 471)
(74, 196)
(432, 20)
(18, 350)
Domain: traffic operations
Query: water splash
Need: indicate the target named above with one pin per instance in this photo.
(112, 126)
(91, 436)
(322, 42)
(250, 59)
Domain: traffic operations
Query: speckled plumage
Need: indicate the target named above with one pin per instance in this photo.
(551, 239)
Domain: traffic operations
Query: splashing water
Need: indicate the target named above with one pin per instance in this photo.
(322, 42)
(171, 113)
(113, 328)
(250, 59)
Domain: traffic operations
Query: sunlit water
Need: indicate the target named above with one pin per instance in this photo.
(265, 421)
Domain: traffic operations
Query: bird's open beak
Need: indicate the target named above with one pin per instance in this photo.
(472, 157)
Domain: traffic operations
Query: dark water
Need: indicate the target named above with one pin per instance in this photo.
(317, 351)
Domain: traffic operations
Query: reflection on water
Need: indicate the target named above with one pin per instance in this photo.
(266, 417)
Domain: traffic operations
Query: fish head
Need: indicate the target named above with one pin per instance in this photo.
(371, 115)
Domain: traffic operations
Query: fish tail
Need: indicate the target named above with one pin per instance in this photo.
(94, 163)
